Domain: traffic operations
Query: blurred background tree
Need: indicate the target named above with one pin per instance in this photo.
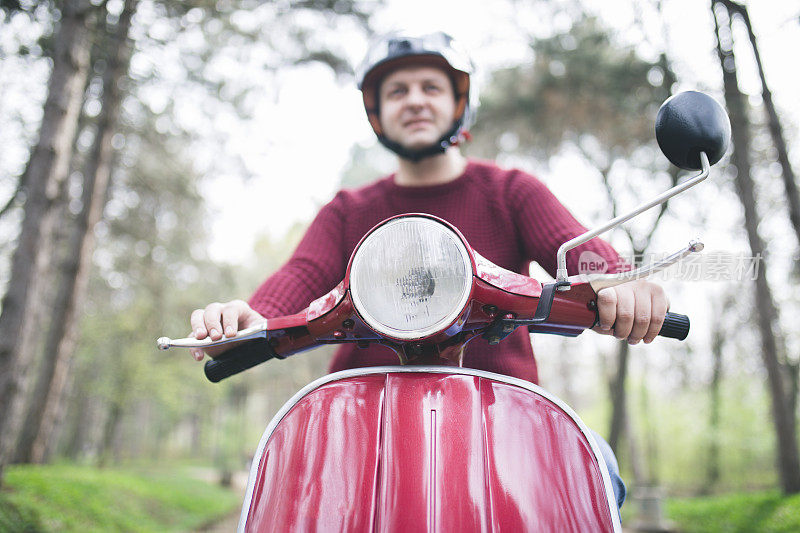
(105, 147)
(781, 367)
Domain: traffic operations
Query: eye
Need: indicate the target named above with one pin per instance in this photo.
(432, 88)
(396, 91)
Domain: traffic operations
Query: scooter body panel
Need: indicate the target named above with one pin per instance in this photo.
(433, 449)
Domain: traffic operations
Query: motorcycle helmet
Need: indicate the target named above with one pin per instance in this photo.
(397, 50)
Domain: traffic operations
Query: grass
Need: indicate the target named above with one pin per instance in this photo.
(76, 498)
(733, 513)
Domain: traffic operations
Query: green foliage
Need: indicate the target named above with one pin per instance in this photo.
(365, 165)
(581, 84)
(740, 513)
(679, 429)
(151, 270)
(70, 498)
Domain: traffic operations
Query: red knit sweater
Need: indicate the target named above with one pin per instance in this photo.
(508, 216)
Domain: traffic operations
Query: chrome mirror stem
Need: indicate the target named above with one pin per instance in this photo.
(561, 257)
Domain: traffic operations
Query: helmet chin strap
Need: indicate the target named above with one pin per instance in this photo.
(418, 154)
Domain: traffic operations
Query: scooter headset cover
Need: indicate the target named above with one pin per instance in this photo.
(438, 49)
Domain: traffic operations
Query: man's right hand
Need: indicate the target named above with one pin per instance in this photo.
(218, 320)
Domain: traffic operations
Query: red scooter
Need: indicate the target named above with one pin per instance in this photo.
(430, 445)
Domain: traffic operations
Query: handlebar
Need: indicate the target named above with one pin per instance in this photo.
(255, 352)
(239, 359)
(676, 326)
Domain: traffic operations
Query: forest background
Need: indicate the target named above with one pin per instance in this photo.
(158, 156)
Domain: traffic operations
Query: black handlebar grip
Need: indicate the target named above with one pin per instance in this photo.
(239, 359)
(676, 326)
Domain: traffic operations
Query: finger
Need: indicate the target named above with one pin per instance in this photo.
(606, 309)
(248, 316)
(659, 306)
(198, 325)
(625, 309)
(230, 319)
(598, 329)
(641, 316)
(212, 317)
(197, 353)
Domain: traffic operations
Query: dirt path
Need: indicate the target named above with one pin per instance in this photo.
(229, 523)
(226, 525)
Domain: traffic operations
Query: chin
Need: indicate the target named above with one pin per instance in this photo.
(419, 142)
(417, 146)
(416, 140)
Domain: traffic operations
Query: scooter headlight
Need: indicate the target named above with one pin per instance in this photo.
(411, 278)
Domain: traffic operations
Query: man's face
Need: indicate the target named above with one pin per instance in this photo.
(417, 106)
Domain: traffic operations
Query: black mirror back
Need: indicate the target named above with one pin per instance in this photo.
(689, 123)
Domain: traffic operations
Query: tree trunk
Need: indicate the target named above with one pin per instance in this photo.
(650, 460)
(635, 458)
(713, 467)
(62, 335)
(53, 438)
(774, 123)
(784, 419)
(794, 385)
(79, 438)
(46, 170)
(196, 432)
(117, 406)
(110, 429)
(618, 408)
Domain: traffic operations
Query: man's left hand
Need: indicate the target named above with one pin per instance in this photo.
(633, 311)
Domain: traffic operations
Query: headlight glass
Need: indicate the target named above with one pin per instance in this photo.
(411, 277)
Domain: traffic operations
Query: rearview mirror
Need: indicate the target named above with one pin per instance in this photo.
(693, 131)
(690, 123)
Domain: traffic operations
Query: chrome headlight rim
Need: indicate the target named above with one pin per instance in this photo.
(440, 325)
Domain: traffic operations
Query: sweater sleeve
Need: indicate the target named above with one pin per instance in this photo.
(544, 224)
(316, 266)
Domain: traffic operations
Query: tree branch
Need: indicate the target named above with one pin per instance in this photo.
(11, 201)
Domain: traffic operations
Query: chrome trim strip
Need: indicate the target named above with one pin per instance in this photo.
(344, 374)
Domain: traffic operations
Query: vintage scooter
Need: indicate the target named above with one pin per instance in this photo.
(431, 445)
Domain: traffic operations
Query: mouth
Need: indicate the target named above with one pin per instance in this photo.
(417, 123)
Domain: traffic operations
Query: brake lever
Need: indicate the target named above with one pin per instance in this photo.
(602, 281)
(259, 331)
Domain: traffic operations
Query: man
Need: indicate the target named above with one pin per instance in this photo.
(419, 101)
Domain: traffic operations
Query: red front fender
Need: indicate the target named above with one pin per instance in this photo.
(427, 449)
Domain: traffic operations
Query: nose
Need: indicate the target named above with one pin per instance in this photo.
(415, 96)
